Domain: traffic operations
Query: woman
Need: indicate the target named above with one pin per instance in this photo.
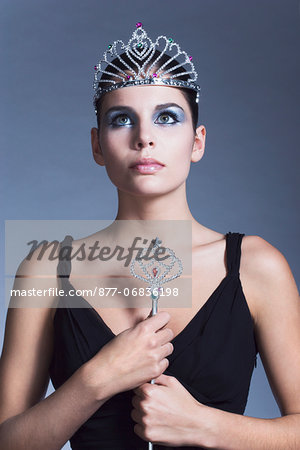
(244, 300)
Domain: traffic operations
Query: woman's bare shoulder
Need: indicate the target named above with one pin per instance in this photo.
(262, 258)
(264, 272)
(41, 260)
(36, 279)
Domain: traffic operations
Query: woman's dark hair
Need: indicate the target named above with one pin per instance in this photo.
(189, 94)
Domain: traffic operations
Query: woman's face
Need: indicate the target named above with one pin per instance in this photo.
(147, 122)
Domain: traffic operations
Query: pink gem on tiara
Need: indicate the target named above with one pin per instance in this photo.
(154, 271)
(95, 67)
(190, 58)
(154, 75)
(139, 24)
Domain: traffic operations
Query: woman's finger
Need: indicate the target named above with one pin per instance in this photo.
(158, 321)
(165, 335)
(166, 350)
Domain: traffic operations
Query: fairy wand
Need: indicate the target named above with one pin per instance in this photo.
(156, 277)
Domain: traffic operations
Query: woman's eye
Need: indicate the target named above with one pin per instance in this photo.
(167, 118)
(122, 119)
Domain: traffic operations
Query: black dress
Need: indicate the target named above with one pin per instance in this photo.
(213, 358)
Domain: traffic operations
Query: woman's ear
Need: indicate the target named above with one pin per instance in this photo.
(199, 144)
(97, 152)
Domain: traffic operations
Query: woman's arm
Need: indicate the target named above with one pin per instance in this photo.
(166, 413)
(51, 422)
(29, 421)
(276, 303)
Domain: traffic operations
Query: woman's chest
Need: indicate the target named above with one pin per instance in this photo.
(120, 306)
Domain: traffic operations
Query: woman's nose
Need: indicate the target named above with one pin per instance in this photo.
(144, 144)
(143, 138)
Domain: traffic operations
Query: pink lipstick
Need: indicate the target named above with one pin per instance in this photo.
(147, 165)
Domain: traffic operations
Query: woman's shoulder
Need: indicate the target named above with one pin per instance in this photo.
(261, 257)
(41, 261)
(264, 273)
(36, 278)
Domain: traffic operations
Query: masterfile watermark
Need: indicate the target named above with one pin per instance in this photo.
(100, 291)
(83, 264)
(105, 253)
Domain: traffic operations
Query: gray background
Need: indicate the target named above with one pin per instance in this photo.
(247, 57)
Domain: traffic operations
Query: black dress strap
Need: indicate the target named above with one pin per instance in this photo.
(64, 263)
(233, 252)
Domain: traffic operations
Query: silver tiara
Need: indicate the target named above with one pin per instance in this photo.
(139, 51)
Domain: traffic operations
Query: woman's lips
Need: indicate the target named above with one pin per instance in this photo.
(147, 168)
(147, 165)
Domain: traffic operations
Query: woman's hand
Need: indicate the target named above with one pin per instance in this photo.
(133, 357)
(166, 413)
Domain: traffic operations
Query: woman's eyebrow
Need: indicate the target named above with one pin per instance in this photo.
(129, 108)
(118, 108)
(167, 105)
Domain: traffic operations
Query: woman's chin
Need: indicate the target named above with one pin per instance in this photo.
(148, 191)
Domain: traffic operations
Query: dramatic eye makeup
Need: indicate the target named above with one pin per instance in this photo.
(169, 116)
(120, 120)
(165, 114)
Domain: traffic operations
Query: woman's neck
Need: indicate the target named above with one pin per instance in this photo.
(166, 216)
(170, 206)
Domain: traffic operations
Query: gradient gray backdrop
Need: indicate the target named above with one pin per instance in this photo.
(247, 56)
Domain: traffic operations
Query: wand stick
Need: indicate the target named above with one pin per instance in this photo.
(156, 278)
